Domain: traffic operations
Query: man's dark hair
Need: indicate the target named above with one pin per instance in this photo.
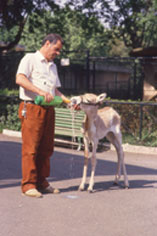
(52, 38)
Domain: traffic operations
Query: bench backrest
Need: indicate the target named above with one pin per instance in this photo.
(66, 125)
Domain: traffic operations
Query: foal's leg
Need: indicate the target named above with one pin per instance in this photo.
(93, 163)
(116, 140)
(85, 167)
(120, 154)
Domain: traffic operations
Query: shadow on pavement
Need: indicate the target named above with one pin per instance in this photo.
(65, 166)
(108, 185)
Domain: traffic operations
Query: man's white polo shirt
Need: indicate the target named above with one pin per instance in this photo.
(40, 72)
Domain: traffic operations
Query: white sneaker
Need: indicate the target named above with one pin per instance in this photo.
(33, 193)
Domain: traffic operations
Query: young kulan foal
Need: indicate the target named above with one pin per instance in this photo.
(97, 124)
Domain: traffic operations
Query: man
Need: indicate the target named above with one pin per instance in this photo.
(37, 75)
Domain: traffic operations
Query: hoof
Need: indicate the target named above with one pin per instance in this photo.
(81, 189)
(115, 184)
(91, 191)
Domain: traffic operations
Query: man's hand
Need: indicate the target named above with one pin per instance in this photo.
(47, 96)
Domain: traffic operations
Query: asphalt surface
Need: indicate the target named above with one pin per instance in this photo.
(110, 211)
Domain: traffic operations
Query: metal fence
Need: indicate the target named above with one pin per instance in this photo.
(138, 119)
(120, 78)
(8, 67)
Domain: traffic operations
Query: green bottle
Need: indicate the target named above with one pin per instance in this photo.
(39, 100)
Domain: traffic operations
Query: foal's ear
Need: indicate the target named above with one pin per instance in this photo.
(101, 97)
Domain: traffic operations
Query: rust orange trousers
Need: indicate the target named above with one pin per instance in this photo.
(37, 129)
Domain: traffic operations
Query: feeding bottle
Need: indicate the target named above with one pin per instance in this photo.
(40, 100)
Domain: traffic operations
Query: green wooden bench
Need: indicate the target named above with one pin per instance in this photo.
(68, 124)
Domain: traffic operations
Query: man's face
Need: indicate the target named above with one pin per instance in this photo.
(53, 50)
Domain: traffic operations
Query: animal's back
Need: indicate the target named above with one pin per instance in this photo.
(109, 116)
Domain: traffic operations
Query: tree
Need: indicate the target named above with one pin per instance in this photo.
(150, 38)
(78, 31)
(84, 32)
(133, 21)
(13, 16)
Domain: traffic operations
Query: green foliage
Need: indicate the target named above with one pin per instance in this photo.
(10, 120)
(130, 119)
(117, 47)
(8, 35)
(132, 21)
(8, 92)
(9, 109)
(13, 16)
(128, 22)
(84, 33)
(135, 22)
(78, 31)
(36, 28)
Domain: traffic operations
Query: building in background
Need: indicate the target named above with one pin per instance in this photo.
(149, 57)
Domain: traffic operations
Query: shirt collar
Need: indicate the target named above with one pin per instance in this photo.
(42, 58)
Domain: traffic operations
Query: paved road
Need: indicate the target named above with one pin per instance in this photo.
(110, 211)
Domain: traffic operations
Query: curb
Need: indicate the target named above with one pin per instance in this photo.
(12, 133)
(126, 147)
(138, 149)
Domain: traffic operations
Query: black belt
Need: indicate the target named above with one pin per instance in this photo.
(29, 102)
(32, 102)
